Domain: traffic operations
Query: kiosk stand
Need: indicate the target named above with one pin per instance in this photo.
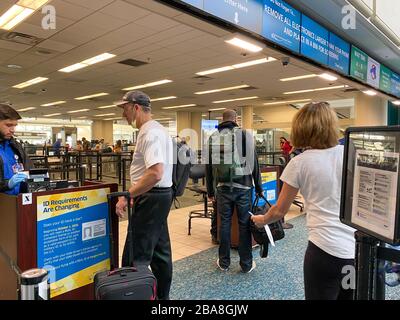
(370, 204)
(65, 232)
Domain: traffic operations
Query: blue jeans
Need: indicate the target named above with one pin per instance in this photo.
(227, 198)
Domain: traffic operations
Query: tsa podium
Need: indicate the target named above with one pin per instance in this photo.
(64, 231)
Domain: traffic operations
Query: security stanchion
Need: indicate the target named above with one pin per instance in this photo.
(35, 285)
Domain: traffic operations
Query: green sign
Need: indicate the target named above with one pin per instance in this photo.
(386, 79)
(359, 64)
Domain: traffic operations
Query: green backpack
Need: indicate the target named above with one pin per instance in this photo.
(225, 158)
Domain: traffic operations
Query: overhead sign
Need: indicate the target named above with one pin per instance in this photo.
(72, 238)
(385, 83)
(359, 64)
(374, 73)
(339, 54)
(282, 24)
(243, 13)
(314, 40)
(396, 84)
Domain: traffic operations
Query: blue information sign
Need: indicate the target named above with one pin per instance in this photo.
(244, 13)
(396, 84)
(195, 3)
(282, 24)
(314, 40)
(339, 54)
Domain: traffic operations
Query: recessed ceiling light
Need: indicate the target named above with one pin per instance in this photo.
(105, 115)
(223, 89)
(317, 89)
(93, 96)
(306, 76)
(236, 66)
(14, 66)
(30, 82)
(150, 84)
(107, 107)
(164, 98)
(52, 115)
(19, 12)
(396, 103)
(179, 107)
(217, 109)
(26, 109)
(164, 119)
(370, 92)
(286, 102)
(53, 104)
(238, 99)
(328, 77)
(76, 111)
(88, 62)
(243, 44)
(117, 118)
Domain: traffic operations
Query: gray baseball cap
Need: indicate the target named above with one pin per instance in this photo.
(138, 97)
(8, 113)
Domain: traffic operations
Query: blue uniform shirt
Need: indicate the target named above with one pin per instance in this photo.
(9, 163)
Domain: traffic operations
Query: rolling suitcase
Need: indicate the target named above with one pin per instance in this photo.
(128, 283)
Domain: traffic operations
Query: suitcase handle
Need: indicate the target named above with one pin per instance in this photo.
(122, 270)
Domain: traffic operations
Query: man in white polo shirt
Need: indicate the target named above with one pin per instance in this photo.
(151, 179)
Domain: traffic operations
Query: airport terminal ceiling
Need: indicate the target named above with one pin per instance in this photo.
(143, 42)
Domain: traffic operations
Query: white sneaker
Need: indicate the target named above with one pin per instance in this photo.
(222, 269)
(253, 266)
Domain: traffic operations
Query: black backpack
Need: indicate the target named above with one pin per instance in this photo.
(259, 234)
(183, 159)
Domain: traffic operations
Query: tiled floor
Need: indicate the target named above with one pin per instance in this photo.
(182, 244)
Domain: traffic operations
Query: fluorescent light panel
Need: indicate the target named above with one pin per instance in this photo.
(19, 12)
(306, 76)
(217, 109)
(93, 96)
(30, 82)
(317, 89)
(105, 115)
(370, 93)
(26, 109)
(396, 103)
(325, 76)
(286, 102)
(150, 84)
(109, 119)
(236, 66)
(52, 115)
(76, 111)
(244, 45)
(222, 89)
(238, 99)
(163, 99)
(107, 107)
(53, 104)
(179, 107)
(88, 62)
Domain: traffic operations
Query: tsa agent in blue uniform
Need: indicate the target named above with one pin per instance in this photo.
(13, 159)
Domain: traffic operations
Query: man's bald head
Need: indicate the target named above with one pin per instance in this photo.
(229, 115)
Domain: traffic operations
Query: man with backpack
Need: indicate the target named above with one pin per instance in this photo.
(231, 172)
(151, 191)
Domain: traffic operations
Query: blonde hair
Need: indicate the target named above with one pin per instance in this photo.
(315, 126)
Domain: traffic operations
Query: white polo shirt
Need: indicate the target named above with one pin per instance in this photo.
(154, 146)
(318, 175)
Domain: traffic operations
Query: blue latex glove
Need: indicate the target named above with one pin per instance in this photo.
(16, 179)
